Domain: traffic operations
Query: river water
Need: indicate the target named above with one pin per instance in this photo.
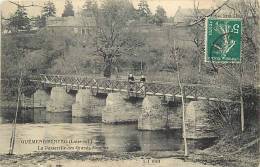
(80, 134)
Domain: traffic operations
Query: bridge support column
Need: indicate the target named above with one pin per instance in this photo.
(157, 114)
(60, 100)
(154, 114)
(87, 104)
(40, 98)
(198, 124)
(174, 116)
(121, 109)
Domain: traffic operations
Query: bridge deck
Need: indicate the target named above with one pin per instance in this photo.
(192, 91)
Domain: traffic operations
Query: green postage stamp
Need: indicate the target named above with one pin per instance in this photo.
(223, 40)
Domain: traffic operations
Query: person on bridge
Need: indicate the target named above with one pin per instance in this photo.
(142, 85)
(131, 81)
(142, 79)
(131, 78)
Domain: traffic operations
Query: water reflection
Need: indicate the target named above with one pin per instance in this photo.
(38, 124)
(87, 134)
(200, 144)
(25, 116)
(39, 115)
(121, 138)
(58, 117)
(86, 119)
(7, 115)
(169, 140)
(36, 115)
(1, 120)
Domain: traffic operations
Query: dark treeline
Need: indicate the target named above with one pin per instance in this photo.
(124, 39)
(30, 35)
(20, 21)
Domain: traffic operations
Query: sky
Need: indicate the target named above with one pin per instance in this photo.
(170, 6)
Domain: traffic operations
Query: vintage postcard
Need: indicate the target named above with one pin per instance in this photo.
(130, 83)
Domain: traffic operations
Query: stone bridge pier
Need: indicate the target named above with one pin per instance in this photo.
(198, 122)
(40, 98)
(121, 109)
(87, 104)
(60, 100)
(36, 100)
(156, 115)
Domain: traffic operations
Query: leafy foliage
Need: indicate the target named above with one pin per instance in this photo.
(160, 16)
(68, 11)
(49, 9)
(19, 21)
(90, 8)
(144, 10)
(113, 39)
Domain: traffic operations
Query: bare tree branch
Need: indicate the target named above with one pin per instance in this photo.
(204, 17)
(24, 6)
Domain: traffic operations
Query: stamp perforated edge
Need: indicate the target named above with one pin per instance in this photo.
(206, 41)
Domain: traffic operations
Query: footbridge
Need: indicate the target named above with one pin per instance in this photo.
(137, 88)
(153, 105)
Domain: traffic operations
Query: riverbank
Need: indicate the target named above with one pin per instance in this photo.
(240, 150)
(158, 159)
(10, 103)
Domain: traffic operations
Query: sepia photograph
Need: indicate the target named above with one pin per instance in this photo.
(129, 83)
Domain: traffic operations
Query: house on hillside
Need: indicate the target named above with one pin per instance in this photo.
(185, 16)
(76, 25)
(181, 31)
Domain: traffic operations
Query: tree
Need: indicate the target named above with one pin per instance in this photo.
(113, 38)
(177, 54)
(144, 10)
(239, 76)
(49, 9)
(39, 21)
(242, 76)
(19, 21)
(68, 11)
(90, 8)
(197, 33)
(89, 4)
(159, 16)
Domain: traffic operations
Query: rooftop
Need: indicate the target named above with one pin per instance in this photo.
(71, 21)
(185, 15)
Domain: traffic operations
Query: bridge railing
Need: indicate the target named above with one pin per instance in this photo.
(196, 91)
